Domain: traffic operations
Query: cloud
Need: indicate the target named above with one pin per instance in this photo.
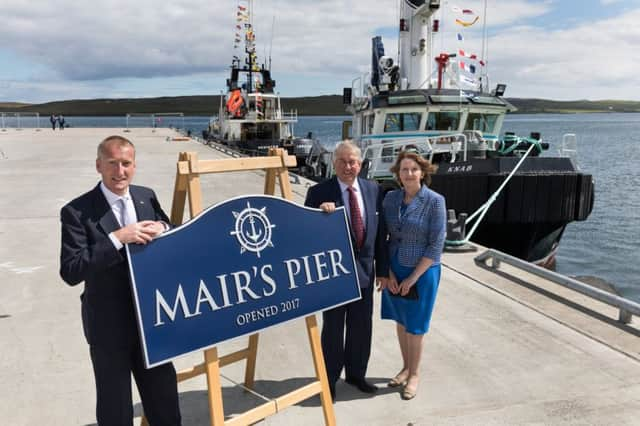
(120, 39)
(588, 61)
(90, 49)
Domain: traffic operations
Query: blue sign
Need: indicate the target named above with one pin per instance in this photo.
(241, 266)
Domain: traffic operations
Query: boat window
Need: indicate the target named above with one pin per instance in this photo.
(487, 100)
(366, 125)
(448, 99)
(388, 154)
(443, 120)
(402, 122)
(481, 121)
(406, 99)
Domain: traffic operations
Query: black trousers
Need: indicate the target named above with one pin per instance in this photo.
(351, 353)
(157, 387)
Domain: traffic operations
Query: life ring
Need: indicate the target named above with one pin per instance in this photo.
(234, 103)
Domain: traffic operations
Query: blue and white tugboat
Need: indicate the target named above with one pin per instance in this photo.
(250, 116)
(440, 105)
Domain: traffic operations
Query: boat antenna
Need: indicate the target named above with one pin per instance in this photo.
(485, 46)
(399, 6)
(273, 24)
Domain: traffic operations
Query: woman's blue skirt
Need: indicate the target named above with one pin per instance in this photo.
(414, 315)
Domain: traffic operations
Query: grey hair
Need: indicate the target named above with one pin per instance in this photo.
(348, 145)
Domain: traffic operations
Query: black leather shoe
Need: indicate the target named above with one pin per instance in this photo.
(362, 385)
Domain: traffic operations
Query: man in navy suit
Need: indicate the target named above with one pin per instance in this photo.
(368, 234)
(95, 227)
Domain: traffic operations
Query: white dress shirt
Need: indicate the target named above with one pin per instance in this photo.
(114, 202)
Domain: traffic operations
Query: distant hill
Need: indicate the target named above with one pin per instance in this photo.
(313, 105)
(532, 106)
(12, 105)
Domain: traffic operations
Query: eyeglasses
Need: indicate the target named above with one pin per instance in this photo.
(350, 163)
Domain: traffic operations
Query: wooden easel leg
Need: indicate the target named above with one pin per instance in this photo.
(212, 367)
(179, 193)
(321, 372)
(250, 371)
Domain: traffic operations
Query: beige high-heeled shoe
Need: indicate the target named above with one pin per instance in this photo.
(399, 380)
(410, 392)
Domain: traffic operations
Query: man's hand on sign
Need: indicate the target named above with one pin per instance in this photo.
(328, 207)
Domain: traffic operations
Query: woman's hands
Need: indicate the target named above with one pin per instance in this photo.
(401, 288)
(406, 285)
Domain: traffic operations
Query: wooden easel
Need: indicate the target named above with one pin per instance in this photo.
(187, 183)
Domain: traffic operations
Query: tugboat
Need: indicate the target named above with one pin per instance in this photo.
(250, 117)
(439, 106)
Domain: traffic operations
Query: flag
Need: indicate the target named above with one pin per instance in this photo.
(242, 8)
(466, 55)
(467, 24)
(460, 38)
(468, 80)
(467, 67)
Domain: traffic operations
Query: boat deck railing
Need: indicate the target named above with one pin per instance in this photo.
(271, 115)
(626, 308)
(379, 157)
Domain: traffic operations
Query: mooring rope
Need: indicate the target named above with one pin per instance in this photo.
(482, 210)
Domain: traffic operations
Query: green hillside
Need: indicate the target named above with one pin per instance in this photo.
(313, 105)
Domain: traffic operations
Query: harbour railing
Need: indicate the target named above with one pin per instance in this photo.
(154, 120)
(626, 308)
(19, 120)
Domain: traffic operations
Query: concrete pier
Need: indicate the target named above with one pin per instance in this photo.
(504, 348)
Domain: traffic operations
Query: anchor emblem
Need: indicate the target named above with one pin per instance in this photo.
(253, 229)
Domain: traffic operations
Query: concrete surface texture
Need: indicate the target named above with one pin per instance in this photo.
(500, 350)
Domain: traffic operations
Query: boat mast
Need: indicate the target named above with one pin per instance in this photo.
(485, 49)
(273, 25)
(248, 48)
(414, 42)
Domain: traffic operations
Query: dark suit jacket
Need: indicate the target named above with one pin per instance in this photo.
(375, 243)
(88, 255)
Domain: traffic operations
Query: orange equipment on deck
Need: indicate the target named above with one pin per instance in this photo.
(234, 103)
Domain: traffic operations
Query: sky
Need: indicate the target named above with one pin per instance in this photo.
(552, 49)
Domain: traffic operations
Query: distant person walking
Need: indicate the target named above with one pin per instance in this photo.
(61, 121)
(53, 119)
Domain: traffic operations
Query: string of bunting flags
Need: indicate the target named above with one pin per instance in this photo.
(469, 63)
(243, 22)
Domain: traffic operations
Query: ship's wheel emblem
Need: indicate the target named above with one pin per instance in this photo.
(253, 229)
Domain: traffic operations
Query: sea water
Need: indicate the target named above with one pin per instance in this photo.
(605, 246)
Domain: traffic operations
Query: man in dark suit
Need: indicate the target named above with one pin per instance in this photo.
(363, 201)
(95, 227)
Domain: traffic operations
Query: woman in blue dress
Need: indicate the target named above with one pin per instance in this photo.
(416, 220)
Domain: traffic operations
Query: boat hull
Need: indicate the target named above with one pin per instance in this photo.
(530, 213)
